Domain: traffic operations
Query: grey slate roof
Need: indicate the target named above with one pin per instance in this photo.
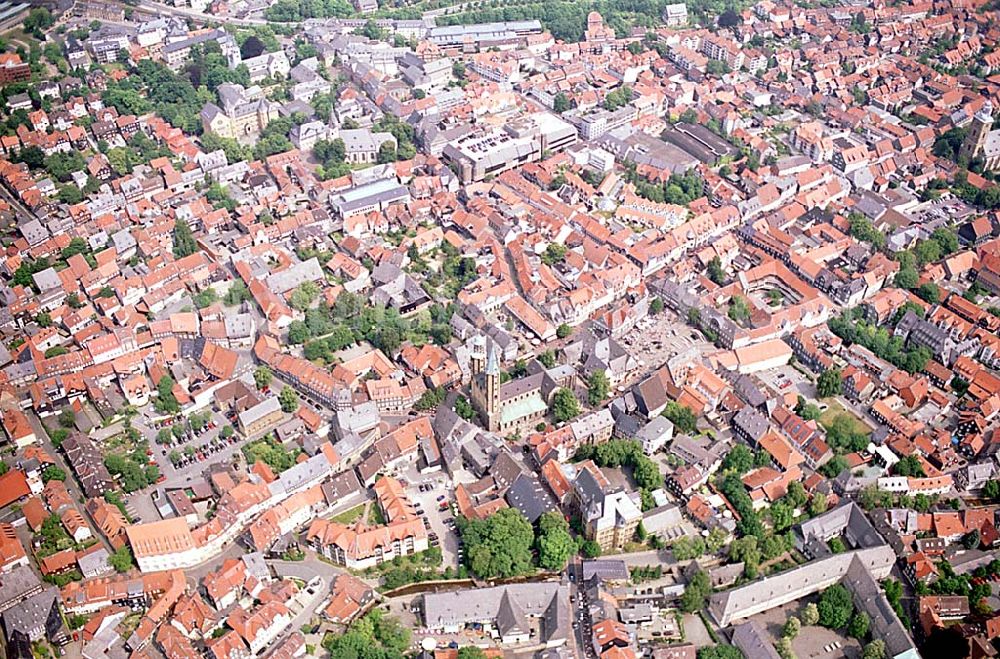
(529, 496)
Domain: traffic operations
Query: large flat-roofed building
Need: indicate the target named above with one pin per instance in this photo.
(479, 155)
(553, 134)
(643, 149)
(375, 196)
(603, 121)
(700, 142)
(503, 611)
(484, 35)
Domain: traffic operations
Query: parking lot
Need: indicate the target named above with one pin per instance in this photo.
(428, 492)
(191, 450)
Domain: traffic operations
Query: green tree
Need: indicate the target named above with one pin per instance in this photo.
(830, 383)
(818, 504)
(791, 627)
(554, 543)
(810, 614)
(563, 331)
(745, 550)
(205, 298)
(909, 465)
(687, 548)
(716, 540)
(907, 278)
(565, 406)
(835, 607)
(386, 153)
(262, 376)
(53, 473)
(236, 294)
(560, 103)
(165, 401)
(298, 333)
(598, 387)
(184, 242)
(739, 309)
(781, 516)
(70, 194)
(304, 295)
(796, 494)
(929, 293)
(500, 545)
(656, 306)
(719, 652)
(554, 253)
(463, 408)
(121, 559)
(61, 165)
(696, 592)
(874, 650)
(289, 399)
(927, 251)
(858, 627)
(682, 417)
(739, 459)
(715, 271)
(38, 19)
(471, 652)
(947, 240)
(548, 359)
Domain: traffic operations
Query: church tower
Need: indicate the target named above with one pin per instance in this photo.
(477, 355)
(491, 390)
(485, 386)
(979, 129)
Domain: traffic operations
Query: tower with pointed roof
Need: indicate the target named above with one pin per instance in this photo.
(486, 390)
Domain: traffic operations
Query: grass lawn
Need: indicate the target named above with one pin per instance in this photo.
(835, 409)
(349, 516)
(375, 517)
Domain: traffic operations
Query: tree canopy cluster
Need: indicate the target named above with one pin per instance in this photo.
(132, 471)
(682, 417)
(554, 543)
(565, 20)
(679, 189)
(624, 453)
(284, 11)
(500, 545)
(880, 341)
(375, 636)
(271, 452)
(326, 330)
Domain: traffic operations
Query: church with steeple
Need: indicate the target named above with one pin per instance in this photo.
(518, 405)
(982, 141)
